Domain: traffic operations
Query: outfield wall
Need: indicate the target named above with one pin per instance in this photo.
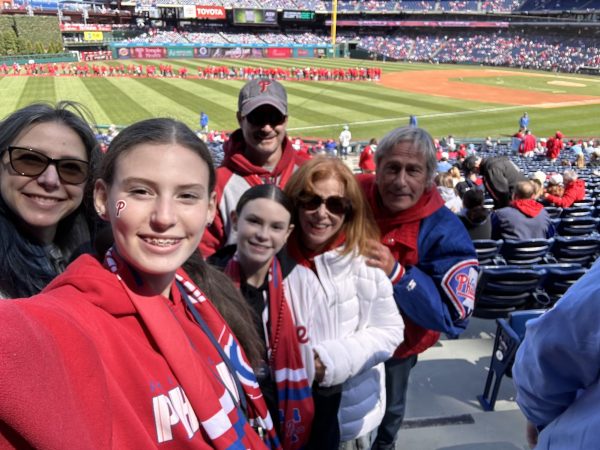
(135, 50)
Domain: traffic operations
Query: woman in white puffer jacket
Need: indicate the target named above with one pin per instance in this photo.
(359, 327)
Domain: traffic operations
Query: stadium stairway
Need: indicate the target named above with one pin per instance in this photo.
(442, 410)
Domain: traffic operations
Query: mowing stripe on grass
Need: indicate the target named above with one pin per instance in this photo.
(119, 107)
(338, 99)
(72, 88)
(9, 93)
(187, 99)
(37, 89)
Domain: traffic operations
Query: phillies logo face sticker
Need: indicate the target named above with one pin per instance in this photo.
(120, 206)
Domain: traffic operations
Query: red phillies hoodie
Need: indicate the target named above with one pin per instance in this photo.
(81, 369)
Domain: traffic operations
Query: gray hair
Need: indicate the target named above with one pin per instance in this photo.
(569, 175)
(419, 139)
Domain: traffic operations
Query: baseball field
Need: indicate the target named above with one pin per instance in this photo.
(465, 101)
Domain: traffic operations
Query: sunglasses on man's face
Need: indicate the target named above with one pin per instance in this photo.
(260, 118)
(30, 163)
(334, 204)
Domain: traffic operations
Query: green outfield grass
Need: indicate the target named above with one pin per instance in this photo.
(317, 109)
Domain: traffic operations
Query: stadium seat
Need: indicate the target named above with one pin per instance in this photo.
(487, 251)
(509, 335)
(577, 226)
(559, 278)
(488, 204)
(504, 289)
(577, 211)
(525, 251)
(553, 211)
(575, 249)
(584, 202)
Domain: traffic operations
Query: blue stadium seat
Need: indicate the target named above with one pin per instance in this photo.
(487, 250)
(525, 251)
(559, 278)
(578, 211)
(581, 250)
(509, 335)
(584, 202)
(504, 289)
(577, 226)
(553, 211)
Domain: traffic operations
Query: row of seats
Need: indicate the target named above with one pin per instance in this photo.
(581, 250)
(504, 289)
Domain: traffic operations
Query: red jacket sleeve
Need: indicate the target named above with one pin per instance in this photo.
(214, 237)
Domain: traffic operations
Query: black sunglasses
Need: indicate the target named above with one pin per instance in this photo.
(262, 117)
(334, 204)
(30, 163)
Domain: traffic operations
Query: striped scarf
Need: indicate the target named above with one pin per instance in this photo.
(294, 396)
(210, 372)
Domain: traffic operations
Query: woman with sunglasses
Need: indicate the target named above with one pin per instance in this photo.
(280, 292)
(46, 152)
(127, 351)
(359, 326)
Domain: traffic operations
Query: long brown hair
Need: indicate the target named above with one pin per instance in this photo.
(359, 225)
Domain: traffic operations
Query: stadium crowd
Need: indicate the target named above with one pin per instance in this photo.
(494, 49)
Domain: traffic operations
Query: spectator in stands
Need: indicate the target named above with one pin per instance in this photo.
(580, 161)
(524, 121)
(425, 250)
(516, 141)
(45, 216)
(359, 325)
(345, 139)
(538, 178)
(556, 370)
(474, 216)
(443, 165)
(366, 162)
(524, 218)
(528, 145)
(130, 343)
(258, 152)
(500, 175)
(574, 190)
(331, 147)
(554, 145)
(456, 176)
(445, 187)
(471, 179)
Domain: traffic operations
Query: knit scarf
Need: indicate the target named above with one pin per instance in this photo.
(255, 175)
(227, 423)
(405, 225)
(294, 396)
(527, 206)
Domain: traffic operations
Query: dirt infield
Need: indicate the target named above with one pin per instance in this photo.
(455, 84)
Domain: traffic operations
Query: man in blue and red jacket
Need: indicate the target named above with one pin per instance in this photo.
(427, 253)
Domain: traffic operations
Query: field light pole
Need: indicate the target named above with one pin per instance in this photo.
(333, 24)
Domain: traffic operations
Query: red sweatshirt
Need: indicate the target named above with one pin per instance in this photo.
(81, 368)
(574, 191)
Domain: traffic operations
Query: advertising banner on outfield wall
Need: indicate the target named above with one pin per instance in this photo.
(84, 27)
(180, 52)
(142, 52)
(279, 52)
(210, 12)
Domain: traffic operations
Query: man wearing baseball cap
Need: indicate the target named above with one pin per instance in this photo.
(259, 152)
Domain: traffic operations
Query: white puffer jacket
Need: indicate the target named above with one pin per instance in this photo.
(353, 330)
